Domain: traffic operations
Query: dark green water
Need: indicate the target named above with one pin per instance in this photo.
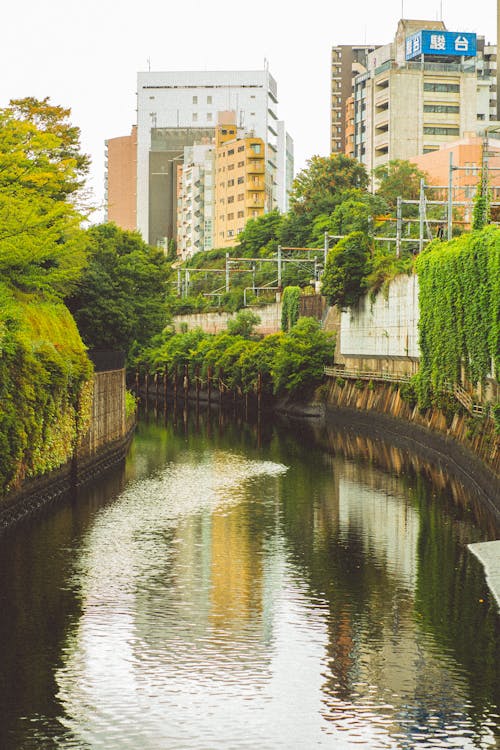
(230, 588)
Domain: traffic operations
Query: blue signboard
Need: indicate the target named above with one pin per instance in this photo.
(444, 43)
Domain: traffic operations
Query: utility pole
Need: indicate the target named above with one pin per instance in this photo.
(227, 272)
(399, 225)
(421, 214)
(450, 198)
(279, 266)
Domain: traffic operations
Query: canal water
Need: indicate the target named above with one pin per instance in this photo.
(295, 586)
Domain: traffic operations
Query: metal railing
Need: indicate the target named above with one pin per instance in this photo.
(387, 377)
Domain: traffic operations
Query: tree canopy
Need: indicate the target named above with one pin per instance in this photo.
(121, 295)
(41, 172)
(398, 178)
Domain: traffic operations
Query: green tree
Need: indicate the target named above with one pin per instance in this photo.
(243, 324)
(347, 266)
(41, 172)
(398, 178)
(121, 295)
(301, 357)
(260, 235)
(318, 188)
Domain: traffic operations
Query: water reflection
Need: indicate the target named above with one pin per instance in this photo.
(239, 588)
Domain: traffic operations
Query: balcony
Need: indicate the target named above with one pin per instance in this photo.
(254, 166)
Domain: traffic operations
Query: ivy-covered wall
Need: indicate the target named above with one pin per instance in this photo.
(45, 386)
(459, 310)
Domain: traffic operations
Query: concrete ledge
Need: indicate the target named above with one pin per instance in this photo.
(488, 553)
(41, 492)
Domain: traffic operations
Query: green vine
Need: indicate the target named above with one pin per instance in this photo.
(459, 323)
(45, 386)
(290, 307)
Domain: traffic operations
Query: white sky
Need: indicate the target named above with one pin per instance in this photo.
(85, 55)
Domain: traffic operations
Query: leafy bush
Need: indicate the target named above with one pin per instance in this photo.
(347, 265)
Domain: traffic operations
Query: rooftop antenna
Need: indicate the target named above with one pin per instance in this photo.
(440, 10)
(149, 64)
(402, 8)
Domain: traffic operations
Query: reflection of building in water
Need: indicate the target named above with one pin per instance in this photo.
(390, 528)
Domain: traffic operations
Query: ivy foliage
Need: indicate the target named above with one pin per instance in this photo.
(45, 390)
(459, 310)
(290, 307)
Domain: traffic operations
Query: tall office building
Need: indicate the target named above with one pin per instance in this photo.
(428, 87)
(178, 109)
(346, 63)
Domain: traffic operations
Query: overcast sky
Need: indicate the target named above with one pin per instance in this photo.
(85, 55)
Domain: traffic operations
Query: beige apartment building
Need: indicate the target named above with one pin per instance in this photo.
(121, 180)
(409, 102)
(240, 183)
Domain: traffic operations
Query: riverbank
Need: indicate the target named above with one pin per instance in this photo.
(379, 411)
(40, 493)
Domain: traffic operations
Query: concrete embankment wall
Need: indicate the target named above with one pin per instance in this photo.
(380, 334)
(456, 431)
(215, 322)
(104, 445)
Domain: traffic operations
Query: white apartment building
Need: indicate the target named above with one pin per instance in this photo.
(195, 200)
(178, 109)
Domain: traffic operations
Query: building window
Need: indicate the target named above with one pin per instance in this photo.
(241, 163)
(230, 232)
(230, 152)
(230, 217)
(230, 199)
(451, 109)
(241, 214)
(241, 196)
(443, 88)
(195, 100)
(255, 148)
(241, 148)
(241, 180)
(428, 130)
(209, 100)
(230, 183)
(195, 116)
(230, 166)
(209, 117)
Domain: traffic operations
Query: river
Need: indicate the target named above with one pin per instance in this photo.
(295, 586)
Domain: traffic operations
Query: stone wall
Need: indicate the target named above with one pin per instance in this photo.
(215, 322)
(385, 398)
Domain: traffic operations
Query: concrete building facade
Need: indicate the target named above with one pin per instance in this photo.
(241, 192)
(406, 107)
(121, 180)
(195, 200)
(346, 63)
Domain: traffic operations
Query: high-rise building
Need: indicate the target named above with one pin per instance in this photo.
(427, 88)
(178, 109)
(346, 63)
(195, 200)
(240, 182)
